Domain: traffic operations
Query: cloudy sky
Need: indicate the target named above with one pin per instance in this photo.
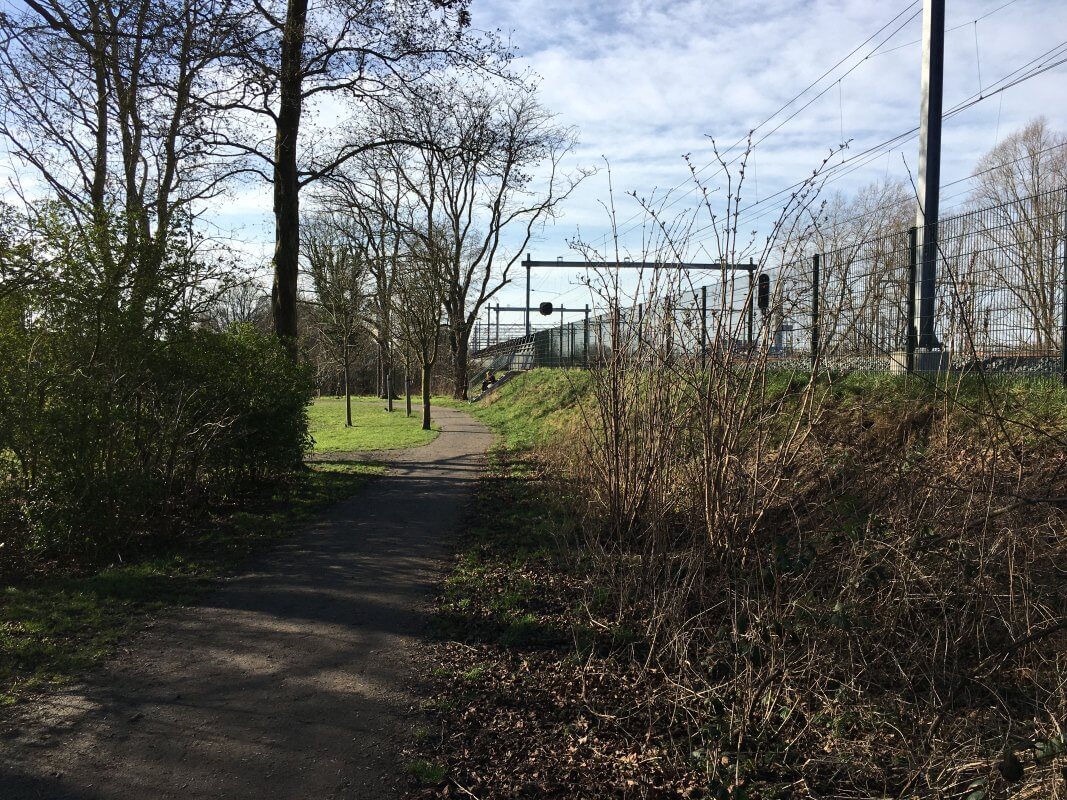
(649, 81)
(646, 82)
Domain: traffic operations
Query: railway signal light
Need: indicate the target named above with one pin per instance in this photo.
(763, 292)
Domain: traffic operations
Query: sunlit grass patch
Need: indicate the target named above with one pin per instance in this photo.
(373, 428)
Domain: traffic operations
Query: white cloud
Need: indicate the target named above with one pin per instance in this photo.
(647, 81)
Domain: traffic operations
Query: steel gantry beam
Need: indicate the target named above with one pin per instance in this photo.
(529, 262)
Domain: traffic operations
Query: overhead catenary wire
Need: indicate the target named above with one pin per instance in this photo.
(847, 166)
(879, 209)
(625, 226)
(953, 28)
(1047, 61)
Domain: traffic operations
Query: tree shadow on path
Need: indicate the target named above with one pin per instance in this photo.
(292, 680)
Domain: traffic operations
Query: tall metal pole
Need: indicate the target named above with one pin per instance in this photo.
(703, 328)
(497, 324)
(560, 364)
(585, 339)
(814, 309)
(751, 305)
(913, 268)
(529, 260)
(933, 70)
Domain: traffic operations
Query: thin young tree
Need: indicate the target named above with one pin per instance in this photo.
(337, 265)
(1016, 183)
(419, 293)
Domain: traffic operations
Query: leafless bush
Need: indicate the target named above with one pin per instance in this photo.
(850, 597)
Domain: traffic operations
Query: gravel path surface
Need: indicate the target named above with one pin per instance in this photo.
(291, 681)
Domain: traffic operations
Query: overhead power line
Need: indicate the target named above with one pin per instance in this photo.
(626, 227)
(623, 226)
(953, 28)
(1048, 60)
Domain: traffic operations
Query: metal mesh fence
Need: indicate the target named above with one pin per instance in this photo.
(999, 306)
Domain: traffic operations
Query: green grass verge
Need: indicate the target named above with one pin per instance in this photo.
(515, 530)
(54, 628)
(532, 408)
(426, 773)
(373, 428)
(528, 409)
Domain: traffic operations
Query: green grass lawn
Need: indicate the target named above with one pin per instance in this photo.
(373, 428)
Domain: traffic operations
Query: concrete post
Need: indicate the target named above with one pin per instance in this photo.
(1063, 304)
(913, 268)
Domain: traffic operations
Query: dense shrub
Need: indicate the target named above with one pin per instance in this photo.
(106, 435)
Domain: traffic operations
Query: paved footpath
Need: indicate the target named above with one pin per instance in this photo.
(291, 681)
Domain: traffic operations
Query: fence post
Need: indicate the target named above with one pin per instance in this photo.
(751, 307)
(1063, 301)
(560, 364)
(703, 328)
(616, 324)
(529, 260)
(585, 339)
(911, 338)
(814, 309)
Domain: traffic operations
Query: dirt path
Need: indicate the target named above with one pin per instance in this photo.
(291, 681)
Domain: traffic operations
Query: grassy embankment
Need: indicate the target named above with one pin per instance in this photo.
(56, 624)
(541, 688)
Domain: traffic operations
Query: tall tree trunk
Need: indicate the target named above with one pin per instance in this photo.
(427, 376)
(407, 389)
(286, 177)
(389, 388)
(460, 345)
(348, 392)
(379, 375)
(387, 368)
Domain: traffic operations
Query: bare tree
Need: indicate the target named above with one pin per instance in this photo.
(419, 294)
(493, 167)
(240, 303)
(1020, 184)
(860, 237)
(364, 51)
(105, 100)
(370, 194)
